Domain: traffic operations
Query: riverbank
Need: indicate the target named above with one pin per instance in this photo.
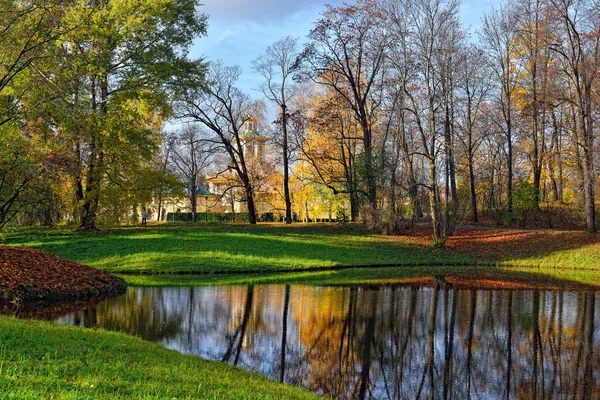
(45, 360)
(266, 248)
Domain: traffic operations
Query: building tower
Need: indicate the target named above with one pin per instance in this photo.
(253, 142)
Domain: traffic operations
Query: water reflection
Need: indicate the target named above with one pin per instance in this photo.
(385, 343)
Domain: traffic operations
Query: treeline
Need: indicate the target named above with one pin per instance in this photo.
(392, 105)
(409, 107)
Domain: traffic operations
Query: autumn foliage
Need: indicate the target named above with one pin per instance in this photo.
(29, 275)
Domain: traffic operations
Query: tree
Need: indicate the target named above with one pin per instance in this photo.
(28, 31)
(498, 36)
(23, 162)
(423, 30)
(536, 92)
(224, 109)
(191, 156)
(126, 61)
(346, 53)
(330, 145)
(578, 48)
(474, 87)
(276, 66)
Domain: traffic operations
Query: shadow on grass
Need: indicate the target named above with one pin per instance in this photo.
(267, 248)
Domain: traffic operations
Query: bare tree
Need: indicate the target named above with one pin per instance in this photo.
(276, 66)
(223, 109)
(346, 53)
(423, 31)
(473, 87)
(191, 154)
(579, 51)
(498, 36)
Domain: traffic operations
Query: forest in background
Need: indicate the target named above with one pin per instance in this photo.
(390, 112)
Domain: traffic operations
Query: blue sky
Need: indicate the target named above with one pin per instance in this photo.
(240, 30)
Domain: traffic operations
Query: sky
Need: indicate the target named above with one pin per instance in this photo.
(241, 30)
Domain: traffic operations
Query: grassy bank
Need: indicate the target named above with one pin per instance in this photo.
(472, 277)
(241, 248)
(40, 360)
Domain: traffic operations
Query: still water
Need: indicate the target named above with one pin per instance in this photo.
(377, 342)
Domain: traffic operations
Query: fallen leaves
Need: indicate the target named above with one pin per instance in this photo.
(33, 275)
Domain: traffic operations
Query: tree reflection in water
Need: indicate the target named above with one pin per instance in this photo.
(377, 342)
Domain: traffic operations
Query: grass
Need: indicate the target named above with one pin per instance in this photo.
(41, 360)
(240, 248)
(465, 276)
(229, 248)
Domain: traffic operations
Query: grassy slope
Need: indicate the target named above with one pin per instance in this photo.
(41, 360)
(242, 248)
(230, 248)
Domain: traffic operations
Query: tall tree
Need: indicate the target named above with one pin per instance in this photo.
(534, 97)
(423, 29)
(498, 36)
(578, 48)
(223, 109)
(276, 66)
(330, 145)
(127, 58)
(346, 53)
(473, 89)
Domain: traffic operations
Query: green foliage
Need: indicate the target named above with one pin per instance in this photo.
(523, 201)
(523, 195)
(26, 164)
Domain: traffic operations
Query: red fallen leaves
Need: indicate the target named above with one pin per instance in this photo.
(506, 244)
(33, 275)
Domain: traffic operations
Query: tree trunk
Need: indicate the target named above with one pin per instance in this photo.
(286, 172)
(193, 201)
(474, 216)
(368, 166)
(434, 204)
(251, 206)
(588, 165)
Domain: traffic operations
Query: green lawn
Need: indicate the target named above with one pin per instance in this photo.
(230, 248)
(41, 360)
(240, 248)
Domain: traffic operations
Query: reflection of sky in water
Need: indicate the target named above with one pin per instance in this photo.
(347, 341)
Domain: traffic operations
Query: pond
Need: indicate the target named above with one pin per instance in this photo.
(377, 341)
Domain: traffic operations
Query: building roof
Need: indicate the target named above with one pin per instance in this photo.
(203, 192)
(200, 191)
